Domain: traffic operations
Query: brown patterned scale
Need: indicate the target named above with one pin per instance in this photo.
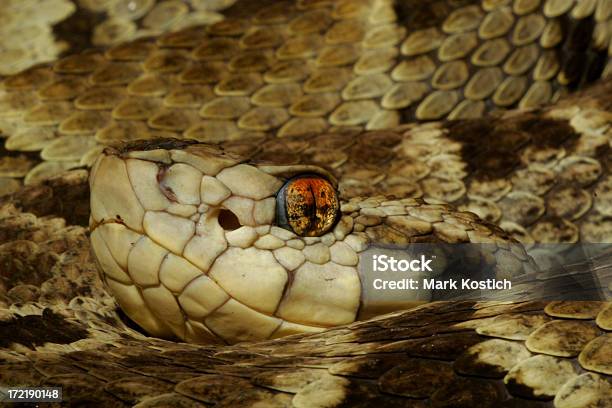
(313, 82)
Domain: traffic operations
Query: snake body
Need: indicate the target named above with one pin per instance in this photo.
(356, 91)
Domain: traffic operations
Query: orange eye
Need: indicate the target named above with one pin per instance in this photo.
(307, 205)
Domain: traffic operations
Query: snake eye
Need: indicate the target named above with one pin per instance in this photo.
(307, 205)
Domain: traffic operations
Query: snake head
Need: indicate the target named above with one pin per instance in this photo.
(197, 242)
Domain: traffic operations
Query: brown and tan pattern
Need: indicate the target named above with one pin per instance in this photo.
(39, 31)
(304, 68)
(439, 354)
(360, 89)
(546, 179)
(310, 68)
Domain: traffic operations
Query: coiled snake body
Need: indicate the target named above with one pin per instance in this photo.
(351, 93)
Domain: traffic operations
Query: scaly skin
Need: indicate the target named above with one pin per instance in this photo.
(61, 326)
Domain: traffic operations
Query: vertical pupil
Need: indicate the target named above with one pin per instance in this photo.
(311, 205)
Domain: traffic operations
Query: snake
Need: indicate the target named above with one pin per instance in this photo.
(189, 192)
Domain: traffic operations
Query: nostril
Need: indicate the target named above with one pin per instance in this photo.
(228, 220)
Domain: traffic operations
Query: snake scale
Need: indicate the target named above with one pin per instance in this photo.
(467, 121)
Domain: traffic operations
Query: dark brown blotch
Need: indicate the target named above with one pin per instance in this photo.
(34, 330)
(492, 148)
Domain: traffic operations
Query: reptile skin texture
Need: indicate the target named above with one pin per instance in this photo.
(479, 121)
